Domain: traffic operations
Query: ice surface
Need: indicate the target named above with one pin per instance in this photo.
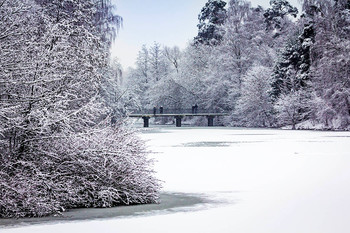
(171, 203)
(273, 181)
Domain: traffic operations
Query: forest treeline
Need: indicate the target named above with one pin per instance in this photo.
(269, 67)
(61, 144)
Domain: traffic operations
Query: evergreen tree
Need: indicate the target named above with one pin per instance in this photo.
(279, 10)
(291, 71)
(290, 78)
(212, 16)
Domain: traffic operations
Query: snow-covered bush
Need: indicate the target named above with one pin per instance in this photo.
(103, 167)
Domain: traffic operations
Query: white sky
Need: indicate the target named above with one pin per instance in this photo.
(168, 22)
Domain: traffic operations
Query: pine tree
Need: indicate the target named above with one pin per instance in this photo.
(212, 16)
(279, 10)
(291, 71)
(291, 77)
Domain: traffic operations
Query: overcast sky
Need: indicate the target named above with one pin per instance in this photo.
(168, 22)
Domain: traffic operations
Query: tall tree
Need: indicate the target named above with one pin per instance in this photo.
(276, 15)
(157, 61)
(58, 148)
(330, 62)
(285, 74)
(212, 16)
(254, 107)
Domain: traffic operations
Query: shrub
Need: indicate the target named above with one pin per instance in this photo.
(104, 167)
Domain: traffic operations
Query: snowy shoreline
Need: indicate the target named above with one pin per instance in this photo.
(169, 203)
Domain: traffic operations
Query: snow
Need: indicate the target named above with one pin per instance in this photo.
(273, 181)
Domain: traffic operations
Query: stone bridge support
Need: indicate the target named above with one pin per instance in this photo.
(178, 120)
(210, 120)
(145, 121)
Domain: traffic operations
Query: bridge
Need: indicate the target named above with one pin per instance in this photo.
(178, 114)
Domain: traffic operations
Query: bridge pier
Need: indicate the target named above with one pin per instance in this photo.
(178, 121)
(145, 121)
(210, 120)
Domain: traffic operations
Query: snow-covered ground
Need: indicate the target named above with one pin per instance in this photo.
(255, 180)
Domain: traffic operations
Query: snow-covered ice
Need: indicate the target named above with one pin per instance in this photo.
(261, 180)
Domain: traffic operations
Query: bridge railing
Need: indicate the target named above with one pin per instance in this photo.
(173, 111)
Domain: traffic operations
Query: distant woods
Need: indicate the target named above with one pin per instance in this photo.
(269, 67)
(59, 91)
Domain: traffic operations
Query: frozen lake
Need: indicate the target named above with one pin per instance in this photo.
(232, 180)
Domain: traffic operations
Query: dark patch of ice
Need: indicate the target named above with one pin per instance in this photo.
(170, 203)
(213, 144)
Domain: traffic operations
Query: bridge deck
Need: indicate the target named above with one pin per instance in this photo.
(177, 114)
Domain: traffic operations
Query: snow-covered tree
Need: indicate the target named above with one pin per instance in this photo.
(142, 63)
(245, 43)
(332, 83)
(291, 108)
(331, 66)
(158, 64)
(194, 73)
(329, 70)
(285, 71)
(58, 148)
(276, 16)
(290, 83)
(174, 56)
(212, 16)
(111, 88)
(138, 80)
(254, 107)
